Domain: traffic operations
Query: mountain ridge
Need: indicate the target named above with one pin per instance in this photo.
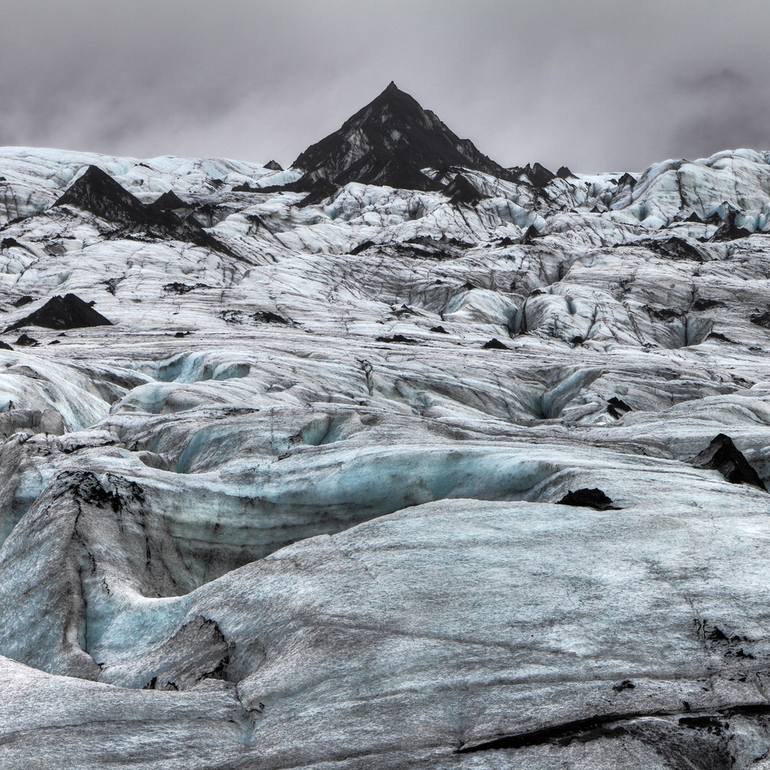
(389, 142)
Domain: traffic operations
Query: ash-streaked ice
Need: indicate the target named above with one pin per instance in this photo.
(417, 446)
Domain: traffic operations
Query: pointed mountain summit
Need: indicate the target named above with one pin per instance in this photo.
(389, 142)
(96, 191)
(67, 312)
(169, 200)
(537, 175)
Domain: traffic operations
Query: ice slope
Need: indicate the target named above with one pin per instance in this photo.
(292, 510)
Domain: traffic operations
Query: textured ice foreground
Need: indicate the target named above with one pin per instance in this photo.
(296, 509)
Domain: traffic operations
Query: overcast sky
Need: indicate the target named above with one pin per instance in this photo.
(595, 84)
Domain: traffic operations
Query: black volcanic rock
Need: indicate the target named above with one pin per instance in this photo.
(318, 190)
(67, 312)
(363, 246)
(269, 317)
(703, 303)
(729, 230)
(673, 247)
(539, 174)
(397, 339)
(722, 455)
(564, 173)
(389, 142)
(760, 318)
(98, 193)
(25, 341)
(530, 233)
(494, 344)
(169, 200)
(461, 191)
(712, 219)
(617, 407)
(536, 174)
(589, 498)
(274, 165)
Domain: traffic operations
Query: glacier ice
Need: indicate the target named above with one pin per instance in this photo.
(292, 510)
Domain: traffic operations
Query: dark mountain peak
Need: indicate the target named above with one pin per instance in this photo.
(94, 176)
(169, 200)
(274, 165)
(96, 191)
(391, 92)
(389, 142)
(536, 174)
(67, 312)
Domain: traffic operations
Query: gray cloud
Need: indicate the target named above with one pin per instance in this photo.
(595, 84)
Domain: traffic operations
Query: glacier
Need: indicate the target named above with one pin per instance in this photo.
(369, 475)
